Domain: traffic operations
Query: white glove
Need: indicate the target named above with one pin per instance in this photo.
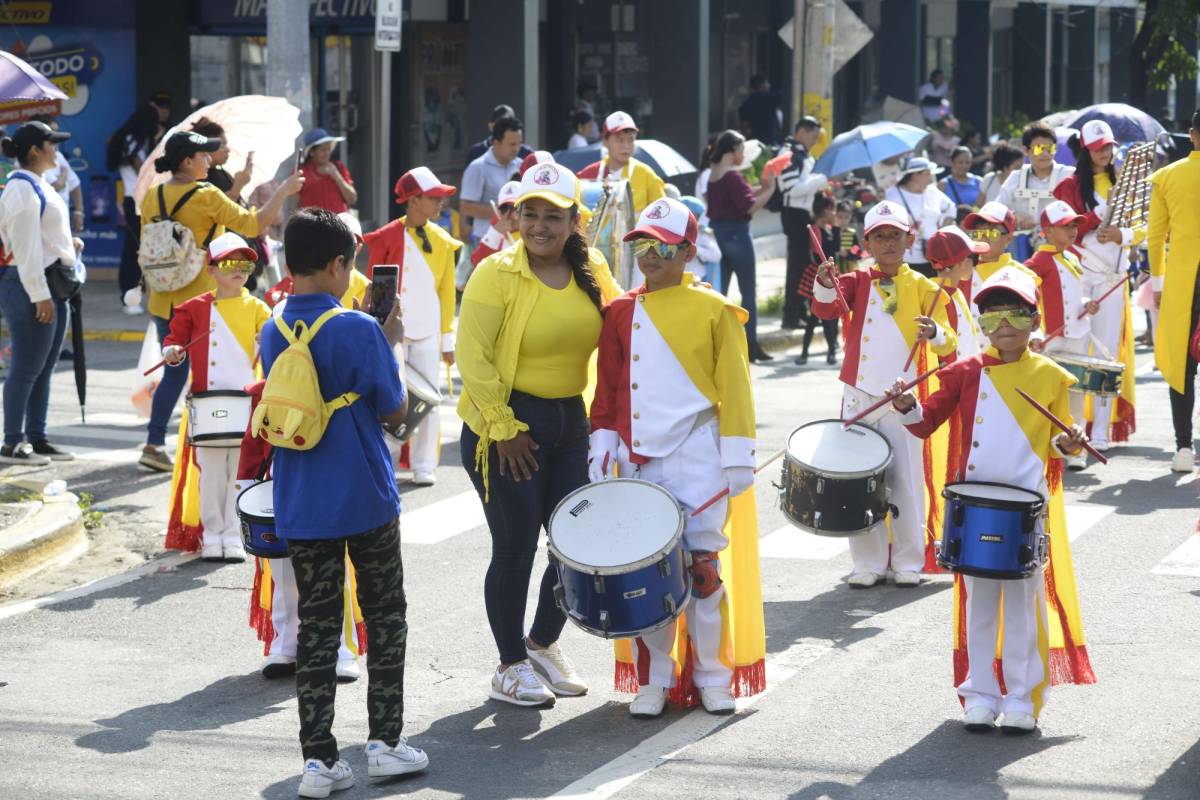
(602, 453)
(739, 479)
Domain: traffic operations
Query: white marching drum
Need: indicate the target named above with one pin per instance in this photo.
(423, 397)
(218, 418)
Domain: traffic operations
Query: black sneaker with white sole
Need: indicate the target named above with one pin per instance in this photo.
(44, 448)
(23, 455)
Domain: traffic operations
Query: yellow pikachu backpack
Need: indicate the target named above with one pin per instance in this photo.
(293, 413)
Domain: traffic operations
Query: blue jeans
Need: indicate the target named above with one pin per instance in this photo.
(737, 258)
(166, 395)
(516, 512)
(35, 349)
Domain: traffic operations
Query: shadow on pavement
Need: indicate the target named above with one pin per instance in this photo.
(1179, 780)
(961, 764)
(1136, 497)
(230, 700)
(836, 615)
(147, 590)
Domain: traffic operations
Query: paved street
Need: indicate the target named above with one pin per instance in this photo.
(150, 688)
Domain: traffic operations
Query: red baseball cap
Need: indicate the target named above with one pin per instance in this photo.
(536, 157)
(667, 221)
(1058, 213)
(993, 212)
(950, 246)
(418, 181)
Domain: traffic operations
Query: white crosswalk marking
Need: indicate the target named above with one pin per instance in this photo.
(1080, 518)
(439, 521)
(1184, 560)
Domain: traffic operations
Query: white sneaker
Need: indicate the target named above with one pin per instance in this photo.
(649, 703)
(908, 579)
(556, 671)
(1100, 444)
(399, 760)
(132, 311)
(319, 780)
(424, 479)
(1077, 463)
(278, 666)
(520, 686)
(1018, 722)
(979, 718)
(717, 699)
(1184, 460)
(211, 548)
(234, 550)
(348, 671)
(864, 580)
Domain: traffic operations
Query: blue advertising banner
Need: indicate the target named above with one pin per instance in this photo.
(95, 67)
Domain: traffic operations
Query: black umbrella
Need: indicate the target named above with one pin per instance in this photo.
(76, 306)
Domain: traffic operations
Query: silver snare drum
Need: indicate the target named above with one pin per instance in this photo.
(218, 418)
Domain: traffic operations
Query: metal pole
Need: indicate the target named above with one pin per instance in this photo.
(799, 27)
(289, 70)
(383, 153)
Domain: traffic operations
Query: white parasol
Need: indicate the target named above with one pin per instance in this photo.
(265, 126)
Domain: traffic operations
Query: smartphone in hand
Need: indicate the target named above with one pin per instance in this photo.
(385, 282)
(299, 159)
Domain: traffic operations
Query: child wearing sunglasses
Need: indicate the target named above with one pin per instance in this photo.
(993, 225)
(225, 359)
(674, 406)
(1005, 440)
(888, 311)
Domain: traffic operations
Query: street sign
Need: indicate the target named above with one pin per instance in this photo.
(387, 25)
(850, 34)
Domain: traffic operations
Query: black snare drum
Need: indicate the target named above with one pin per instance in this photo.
(834, 478)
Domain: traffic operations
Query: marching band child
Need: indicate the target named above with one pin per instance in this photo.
(993, 224)
(503, 232)
(1005, 440)
(223, 360)
(673, 406)
(952, 254)
(1064, 297)
(620, 141)
(428, 255)
(885, 306)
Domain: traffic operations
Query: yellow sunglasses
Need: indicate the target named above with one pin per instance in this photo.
(236, 266)
(665, 251)
(990, 321)
(985, 234)
(1040, 149)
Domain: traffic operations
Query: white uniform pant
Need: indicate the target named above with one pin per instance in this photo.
(1107, 327)
(906, 480)
(1101, 406)
(692, 474)
(1024, 620)
(285, 613)
(218, 497)
(425, 356)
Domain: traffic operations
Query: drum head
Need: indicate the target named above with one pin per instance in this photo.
(419, 385)
(828, 447)
(258, 500)
(614, 523)
(993, 491)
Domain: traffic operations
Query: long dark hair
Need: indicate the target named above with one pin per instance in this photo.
(727, 142)
(575, 251)
(207, 127)
(142, 127)
(1085, 173)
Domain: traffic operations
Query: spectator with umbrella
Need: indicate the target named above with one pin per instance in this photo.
(34, 289)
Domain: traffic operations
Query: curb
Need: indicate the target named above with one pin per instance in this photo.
(51, 535)
(103, 335)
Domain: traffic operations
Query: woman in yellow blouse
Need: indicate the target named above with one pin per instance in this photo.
(529, 324)
(207, 212)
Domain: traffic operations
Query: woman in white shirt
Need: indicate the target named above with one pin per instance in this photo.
(35, 228)
(584, 125)
(928, 207)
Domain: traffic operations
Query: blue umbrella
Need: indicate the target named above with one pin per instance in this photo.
(1129, 124)
(19, 81)
(867, 145)
(659, 156)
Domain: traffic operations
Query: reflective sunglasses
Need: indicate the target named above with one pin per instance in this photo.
(990, 321)
(665, 251)
(985, 234)
(236, 266)
(1039, 149)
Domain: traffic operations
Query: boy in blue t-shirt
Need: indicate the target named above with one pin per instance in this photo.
(340, 498)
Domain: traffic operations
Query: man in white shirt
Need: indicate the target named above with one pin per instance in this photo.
(798, 184)
(1028, 190)
(485, 175)
(931, 94)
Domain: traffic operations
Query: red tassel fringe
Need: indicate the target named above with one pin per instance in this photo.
(183, 537)
(747, 680)
(1126, 421)
(360, 630)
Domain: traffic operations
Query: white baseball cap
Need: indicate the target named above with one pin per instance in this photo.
(667, 221)
(619, 121)
(351, 222)
(887, 213)
(229, 246)
(1096, 134)
(508, 194)
(553, 183)
(418, 181)
(536, 157)
(1058, 213)
(1010, 279)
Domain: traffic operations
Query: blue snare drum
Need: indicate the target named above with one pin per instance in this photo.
(618, 547)
(255, 508)
(991, 531)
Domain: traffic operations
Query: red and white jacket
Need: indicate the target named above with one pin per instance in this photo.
(225, 359)
(1062, 290)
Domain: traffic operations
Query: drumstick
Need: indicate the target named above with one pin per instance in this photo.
(1062, 426)
(1083, 313)
(913, 350)
(725, 491)
(889, 398)
(185, 347)
(815, 238)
